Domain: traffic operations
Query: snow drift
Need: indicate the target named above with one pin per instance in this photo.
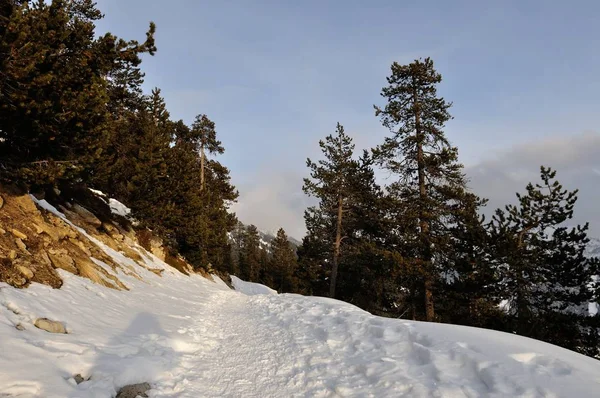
(188, 336)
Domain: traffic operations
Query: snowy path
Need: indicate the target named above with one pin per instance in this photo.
(289, 345)
(193, 338)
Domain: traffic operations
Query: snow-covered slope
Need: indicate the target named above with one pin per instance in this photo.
(192, 337)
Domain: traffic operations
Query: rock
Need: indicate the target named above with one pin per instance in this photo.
(27, 273)
(17, 281)
(45, 257)
(81, 245)
(21, 245)
(2, 232)
(63, 261)
(87, 216)
(45, 229)
(1, 202)
(50, 326)
(134, 390)
(56, 191)
(18, 234)
(79, 378)
(109, 228)
(19, 326)
(12, 254)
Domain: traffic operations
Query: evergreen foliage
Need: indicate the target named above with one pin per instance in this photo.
(544, 276)
(283, 263)
(54, 87)
(250, 256)
(430, 183)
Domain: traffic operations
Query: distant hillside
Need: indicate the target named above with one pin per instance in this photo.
(267, 237)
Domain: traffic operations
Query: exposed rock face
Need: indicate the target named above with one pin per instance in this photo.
(50, 326)
(18, 234)
(35, 243)
(63, 261)
(87, 216)
(27, 273)
(21, 245)
(134, 390)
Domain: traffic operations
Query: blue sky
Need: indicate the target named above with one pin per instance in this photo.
(276, 76)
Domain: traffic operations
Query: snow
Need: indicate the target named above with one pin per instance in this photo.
(97, 192)
(250, 288)
(191, 337)
(118, 208)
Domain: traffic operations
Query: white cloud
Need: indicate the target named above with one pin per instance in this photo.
(275, 201)
(576, 159)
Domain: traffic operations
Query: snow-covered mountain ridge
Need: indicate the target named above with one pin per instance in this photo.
(190, 336)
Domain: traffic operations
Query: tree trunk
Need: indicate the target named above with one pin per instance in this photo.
(423, 222)
(336, 248)
(202, 161)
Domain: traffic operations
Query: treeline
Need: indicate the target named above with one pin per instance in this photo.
(271, 263)
(417, 248)
(72, 111)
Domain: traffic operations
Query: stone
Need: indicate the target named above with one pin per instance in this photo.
(20, 326)
(17, 281)
(26, 272)
(45, 229)
(87, 216)
(18, 234)
(50, 326)
(82, 246)
(2, 232)
(21, 245)
(79, 378)
(12, 254)
(45, 257)
(1, 202)
(64, 262)
(134, 390)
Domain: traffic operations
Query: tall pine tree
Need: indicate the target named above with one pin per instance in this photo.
(331, 182)
(430, 179)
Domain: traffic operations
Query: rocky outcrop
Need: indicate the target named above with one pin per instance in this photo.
(50, 326)
(18, 234)
(36, 245)
(134, 390)
(27, 273)
(87, 216)
(60, 259)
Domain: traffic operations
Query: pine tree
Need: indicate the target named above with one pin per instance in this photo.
(430, 178)
(283, 260)
(250, 259)
(466, 293)
(54, 112)
(236, 240)
(330, 182)
(545, 277)
(203, 134)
